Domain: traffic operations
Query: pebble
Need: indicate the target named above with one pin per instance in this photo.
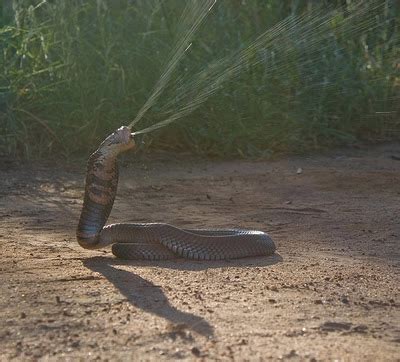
(195, 351)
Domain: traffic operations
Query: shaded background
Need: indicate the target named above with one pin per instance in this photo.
(73, 71)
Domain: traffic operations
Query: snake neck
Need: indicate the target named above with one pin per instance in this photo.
(101, 187)
(100, 191)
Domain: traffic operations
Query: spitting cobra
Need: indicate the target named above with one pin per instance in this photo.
(151, 241)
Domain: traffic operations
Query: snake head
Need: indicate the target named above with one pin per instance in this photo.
(119, 141)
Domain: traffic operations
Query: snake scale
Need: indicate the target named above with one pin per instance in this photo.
(151, 241)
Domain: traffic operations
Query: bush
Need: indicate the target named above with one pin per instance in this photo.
(75, 70)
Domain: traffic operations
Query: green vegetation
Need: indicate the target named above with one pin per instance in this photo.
(73, 71)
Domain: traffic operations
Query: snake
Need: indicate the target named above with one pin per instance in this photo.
(151, 241)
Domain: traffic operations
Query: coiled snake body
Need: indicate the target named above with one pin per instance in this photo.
(153, 241)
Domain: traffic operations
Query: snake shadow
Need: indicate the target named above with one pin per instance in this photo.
(191, 265)
(147, 296)
(150, 298)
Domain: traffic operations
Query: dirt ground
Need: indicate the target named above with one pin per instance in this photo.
(330, 292)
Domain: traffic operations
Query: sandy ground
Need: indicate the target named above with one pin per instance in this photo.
(330, 292)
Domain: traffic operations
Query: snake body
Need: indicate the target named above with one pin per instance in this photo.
(151, 241)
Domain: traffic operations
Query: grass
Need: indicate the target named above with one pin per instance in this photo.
(73, 71)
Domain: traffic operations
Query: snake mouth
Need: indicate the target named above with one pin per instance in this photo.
(125, 136)
(119, 141)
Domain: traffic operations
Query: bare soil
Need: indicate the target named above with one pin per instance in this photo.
(330, 292)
